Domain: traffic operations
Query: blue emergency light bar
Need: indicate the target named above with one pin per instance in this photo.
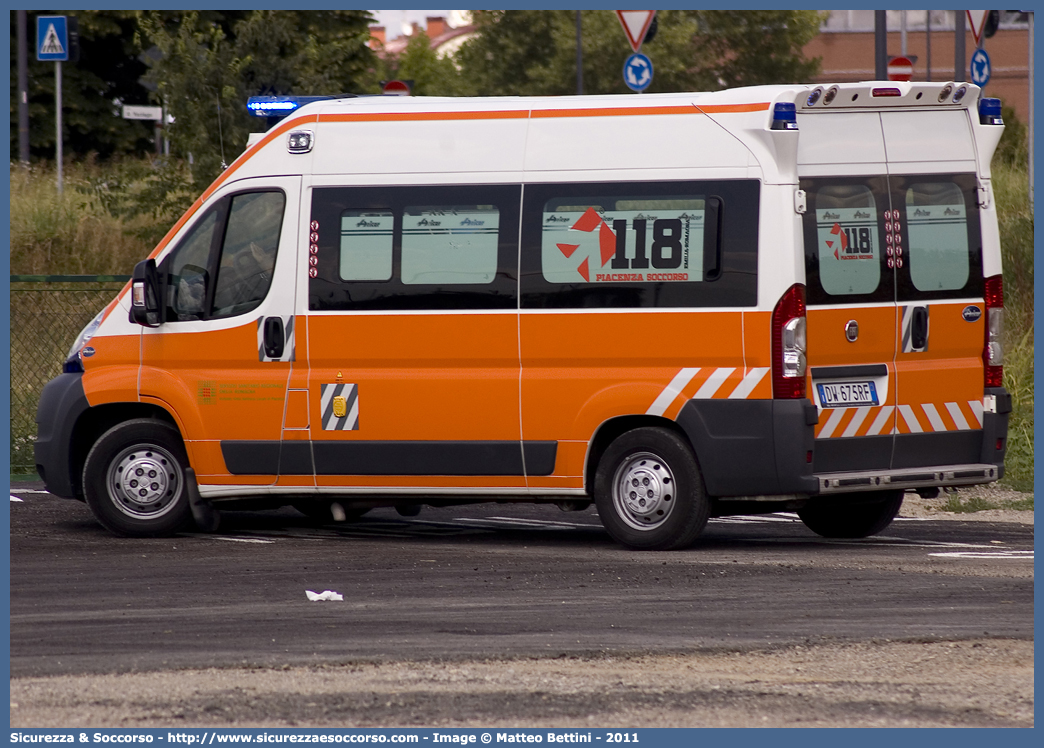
(280, 106)
(784, 116)
(990, 112)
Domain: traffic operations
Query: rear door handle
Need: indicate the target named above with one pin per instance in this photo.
(274, 338)
(915, 337)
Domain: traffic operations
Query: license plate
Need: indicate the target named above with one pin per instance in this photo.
(843, 394)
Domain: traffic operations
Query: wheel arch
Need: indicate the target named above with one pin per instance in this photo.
(95, 421)
(609, 430)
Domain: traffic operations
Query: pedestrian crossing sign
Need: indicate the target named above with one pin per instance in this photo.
(52, 38)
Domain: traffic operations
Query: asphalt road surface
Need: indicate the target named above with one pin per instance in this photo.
(487, 581)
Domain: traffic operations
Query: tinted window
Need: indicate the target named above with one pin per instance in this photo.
(846, 255)
(664, 244)
(187, 275)
(248, 253)
(847, 241)
(366, 245)
(449, 244)
(937, 227)
(941, 237)
(414, 247)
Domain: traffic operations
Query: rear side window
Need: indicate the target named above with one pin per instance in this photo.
(846, 253)
(847, 241)
(667, 244)
(937, 226)
(941, 237)
(387, 248)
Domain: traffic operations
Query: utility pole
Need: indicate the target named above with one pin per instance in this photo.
(880, 45)
(958, 46)
(579, 59)
(23, 89)
(928, 42)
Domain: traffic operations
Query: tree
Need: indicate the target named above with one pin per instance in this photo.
(107, 75)
(205, 71)
(431, 75)
(530, 52)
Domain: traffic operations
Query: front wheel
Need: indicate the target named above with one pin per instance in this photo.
(851, 516)
(649, 491)
(134, 479)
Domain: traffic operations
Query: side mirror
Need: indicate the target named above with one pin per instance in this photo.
(145, 295)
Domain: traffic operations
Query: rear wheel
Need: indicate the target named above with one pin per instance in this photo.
(649, 491)
(134, 479)
(851, 516)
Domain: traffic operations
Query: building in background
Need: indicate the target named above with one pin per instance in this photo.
(845, 44)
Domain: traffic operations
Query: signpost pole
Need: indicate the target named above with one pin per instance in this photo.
(579, 59)
(1032, 15)
(58, 119)
(958, 46)
(23, 89)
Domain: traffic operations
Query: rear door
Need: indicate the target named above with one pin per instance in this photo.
(939, 286)
(851, 319)
(942, 317)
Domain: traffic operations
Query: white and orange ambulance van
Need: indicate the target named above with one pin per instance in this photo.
(674, 306)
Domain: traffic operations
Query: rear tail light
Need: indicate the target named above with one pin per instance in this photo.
(993, 352)
(788, 344)
(886, 92)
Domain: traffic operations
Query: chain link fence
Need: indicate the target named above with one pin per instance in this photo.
(47, 313)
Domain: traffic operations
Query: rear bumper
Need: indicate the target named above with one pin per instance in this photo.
(945, 458)
(882, 480)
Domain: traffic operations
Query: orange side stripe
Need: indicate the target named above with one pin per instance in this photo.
(418, 116)
(626, 111)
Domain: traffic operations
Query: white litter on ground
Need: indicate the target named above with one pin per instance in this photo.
(324, 595)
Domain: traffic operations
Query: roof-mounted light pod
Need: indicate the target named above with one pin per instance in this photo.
(813, 97)
(300, 141)
(959, 94)
(944, 94)
(784, 116)
(272, 106)
(830, 95)
(990, 112)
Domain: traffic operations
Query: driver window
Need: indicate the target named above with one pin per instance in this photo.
(248, 254)
(187, 279)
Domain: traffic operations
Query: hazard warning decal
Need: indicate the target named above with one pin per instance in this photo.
(339, 404)
(615, 239)
(289, 348)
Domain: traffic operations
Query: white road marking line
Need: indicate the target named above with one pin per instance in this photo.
(997, 554)
(15, 498)
(671, 391)
(27, 490)
(713, 383)
(958, 416)
(228, 538)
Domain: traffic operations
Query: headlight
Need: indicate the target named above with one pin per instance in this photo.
(86, 334)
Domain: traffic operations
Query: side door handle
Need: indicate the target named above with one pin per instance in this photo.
(915, 329)
(274, 337)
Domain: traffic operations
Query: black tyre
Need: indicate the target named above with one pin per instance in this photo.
(851, 516)
(649, 491)
(322, 510)
(134, 479)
